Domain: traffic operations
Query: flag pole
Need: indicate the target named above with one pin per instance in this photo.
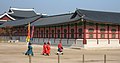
(28, 35)
(29, 58)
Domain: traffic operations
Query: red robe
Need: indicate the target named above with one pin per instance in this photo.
(60, 47)
(48, 49)
(44, 49)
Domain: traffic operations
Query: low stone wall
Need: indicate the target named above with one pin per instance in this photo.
(102, 43)
(78, 43)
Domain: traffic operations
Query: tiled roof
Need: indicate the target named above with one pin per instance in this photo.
(1, 16)
(22, 12)
(99, 16)
(57, 19)
(21, 22)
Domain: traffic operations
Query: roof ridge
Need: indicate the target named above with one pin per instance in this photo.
(7, 15)
(99, 11)
(21, 9)
(59, 15)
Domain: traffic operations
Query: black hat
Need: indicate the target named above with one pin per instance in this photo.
(29, 43)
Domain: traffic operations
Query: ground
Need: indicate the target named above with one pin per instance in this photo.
(14, 53)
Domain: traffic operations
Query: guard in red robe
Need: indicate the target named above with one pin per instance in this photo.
(44, 49)
(60, 48)
(48, 49)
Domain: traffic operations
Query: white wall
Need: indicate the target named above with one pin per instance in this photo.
(65, 41)
(22, 38)
(114, 43)
(78, 44)
(102, 43)
(91, 43)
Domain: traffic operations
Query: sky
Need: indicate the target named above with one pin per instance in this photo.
(51, 7)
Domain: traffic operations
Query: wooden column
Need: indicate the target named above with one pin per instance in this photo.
(55, 34)
(108, 33)
(18, 31)
(84, 38)
(97, 32)
(119, 33)
(49, 34)
(75, 32)
(68, 30)
(68, 33)
(39, 33)
(44, 34)
(61, 31)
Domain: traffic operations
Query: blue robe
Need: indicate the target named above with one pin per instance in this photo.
(29, 51)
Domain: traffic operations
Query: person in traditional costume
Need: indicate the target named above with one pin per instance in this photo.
(44, 48)
(48, 49)
(60, 48)
(29, 51)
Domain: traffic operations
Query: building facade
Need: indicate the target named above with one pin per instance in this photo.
(83, 28)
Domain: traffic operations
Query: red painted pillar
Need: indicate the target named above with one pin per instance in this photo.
(119, 33)
(61, 31)
(55, 34)
(97, 32)
(39, 33)
(68, 33)
(49, 34)
(75, 32)
(19, 31)
(44, 34)
(108, 33)
(84, 38)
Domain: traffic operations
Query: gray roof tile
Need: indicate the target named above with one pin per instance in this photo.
(19, 13)
(58, 19)
(99, 16)
(21, 22)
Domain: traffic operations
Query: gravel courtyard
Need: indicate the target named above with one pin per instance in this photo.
(14, 53)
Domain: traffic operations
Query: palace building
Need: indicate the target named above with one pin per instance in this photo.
(82, 28)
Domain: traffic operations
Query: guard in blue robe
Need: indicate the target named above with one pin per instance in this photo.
(29, 51)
